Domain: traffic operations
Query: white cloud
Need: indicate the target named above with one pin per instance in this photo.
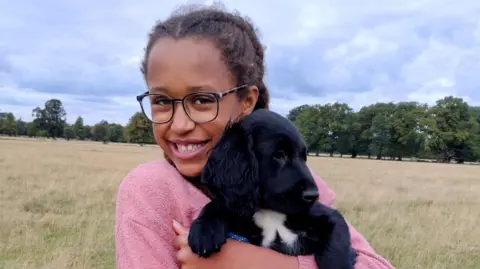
(88, 53)
(24, 100)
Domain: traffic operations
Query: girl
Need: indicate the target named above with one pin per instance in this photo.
(203, 68)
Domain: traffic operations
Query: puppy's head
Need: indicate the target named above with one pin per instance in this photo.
(260, 162)
(287, 184)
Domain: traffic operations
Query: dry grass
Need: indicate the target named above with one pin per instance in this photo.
(57, 202)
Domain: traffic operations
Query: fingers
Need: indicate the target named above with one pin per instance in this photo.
(178, 228)
(184, 254)
(180, 241)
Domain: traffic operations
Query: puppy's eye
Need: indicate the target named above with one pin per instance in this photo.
(279, 155)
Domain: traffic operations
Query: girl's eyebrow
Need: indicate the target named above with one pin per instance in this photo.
(200, 88)
(158, 90)
(190, 89)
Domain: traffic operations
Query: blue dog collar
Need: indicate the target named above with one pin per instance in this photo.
(237, 237)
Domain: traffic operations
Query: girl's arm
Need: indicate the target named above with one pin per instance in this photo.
(234, 255)
(143, 232)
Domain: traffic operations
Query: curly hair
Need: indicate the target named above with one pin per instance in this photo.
(233, 34)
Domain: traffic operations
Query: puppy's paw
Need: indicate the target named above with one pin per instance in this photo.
(322, 224)
(337, 252)
(207, 236)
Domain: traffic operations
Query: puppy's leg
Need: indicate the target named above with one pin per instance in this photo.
(336, 252)
(208, 232)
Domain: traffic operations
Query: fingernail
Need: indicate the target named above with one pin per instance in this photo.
(177, 224)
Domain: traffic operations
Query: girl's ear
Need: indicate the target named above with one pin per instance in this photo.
(231, 172)
(248, 104)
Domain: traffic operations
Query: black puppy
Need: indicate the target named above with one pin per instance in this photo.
(261, 188)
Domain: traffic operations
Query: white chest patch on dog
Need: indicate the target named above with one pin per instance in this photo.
(273, 223)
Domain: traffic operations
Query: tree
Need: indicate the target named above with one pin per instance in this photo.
(293, 114)
(42, 133)
(21, 127)
(52, 118)
(88, 132)
(364, 118)
(32, 129)
(69, 132)
(139, 130)
(408, 132)
(333, 121)
(306, 120)
(116, 133)
(380, 132)
(354, 134)
(475, 111)
(8, 124)
(452, 131)
(79, 129)
(101, 131)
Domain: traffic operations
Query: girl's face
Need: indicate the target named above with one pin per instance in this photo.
(177, 67)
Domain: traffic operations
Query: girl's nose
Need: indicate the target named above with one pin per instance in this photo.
(181, 123)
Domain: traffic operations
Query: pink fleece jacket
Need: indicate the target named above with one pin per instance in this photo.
(153, 194)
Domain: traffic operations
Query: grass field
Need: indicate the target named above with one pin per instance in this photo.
(57, 202)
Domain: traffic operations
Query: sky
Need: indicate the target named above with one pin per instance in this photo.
(87, 53)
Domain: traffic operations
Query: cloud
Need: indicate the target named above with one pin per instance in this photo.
(87, 53)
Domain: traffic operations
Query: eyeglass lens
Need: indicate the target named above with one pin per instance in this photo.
(200, 107)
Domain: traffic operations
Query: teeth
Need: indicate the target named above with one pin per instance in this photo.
(189, 147)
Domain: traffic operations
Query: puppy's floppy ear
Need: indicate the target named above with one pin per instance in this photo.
(231, 172)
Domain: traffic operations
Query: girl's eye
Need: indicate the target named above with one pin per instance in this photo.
(202, 100)
(161, 101)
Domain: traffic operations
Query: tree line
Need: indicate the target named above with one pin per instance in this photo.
(51, 122)
(447, 131)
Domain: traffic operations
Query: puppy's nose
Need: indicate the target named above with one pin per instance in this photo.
(310, 195)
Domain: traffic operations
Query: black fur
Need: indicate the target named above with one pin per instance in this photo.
(260, 164)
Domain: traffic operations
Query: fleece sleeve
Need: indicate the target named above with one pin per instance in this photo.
(367, 257)
(143, 231)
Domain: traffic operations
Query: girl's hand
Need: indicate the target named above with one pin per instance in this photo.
(234, 255)
(185, 256)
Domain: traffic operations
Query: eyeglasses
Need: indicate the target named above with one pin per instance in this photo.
(200, 107)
